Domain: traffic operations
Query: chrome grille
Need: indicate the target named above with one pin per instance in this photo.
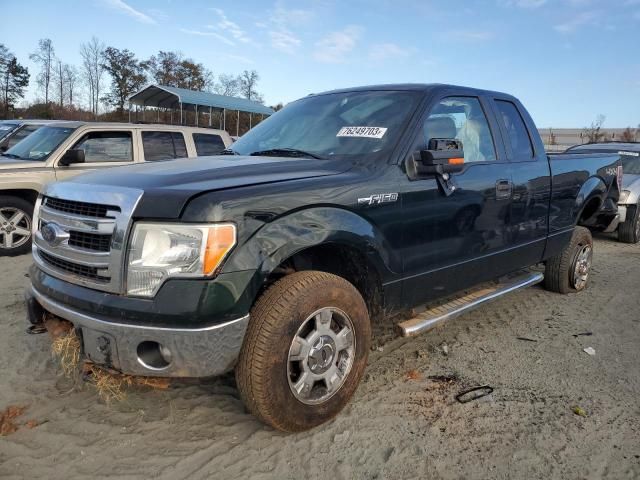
(80, 232)
(84, 209)
(90, 241)
(81, 270)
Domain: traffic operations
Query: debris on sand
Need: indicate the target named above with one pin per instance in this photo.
(579, 411)
(526, 339)
(113, 385)
(31, 424)
(589, 351)
(474, 393)
(413, 375)
(582, 334)
(445, 349)
(447, 379)
(7, 417)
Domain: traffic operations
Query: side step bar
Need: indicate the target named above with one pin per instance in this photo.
(437, 315)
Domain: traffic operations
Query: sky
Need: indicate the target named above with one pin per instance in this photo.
(567, 60)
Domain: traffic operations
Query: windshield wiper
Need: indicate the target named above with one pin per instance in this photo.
(228, 151)
(11, 155)
(285, 152)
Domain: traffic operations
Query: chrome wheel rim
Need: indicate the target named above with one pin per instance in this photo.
(15, 227)
(637, 227)
(321, 355)
(581, 268)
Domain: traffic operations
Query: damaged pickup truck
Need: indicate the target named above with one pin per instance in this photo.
(274, 259)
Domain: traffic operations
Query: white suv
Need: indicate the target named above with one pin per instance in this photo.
(61, 150)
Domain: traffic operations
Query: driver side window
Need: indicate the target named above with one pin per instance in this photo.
(462, 118)
(102, 147)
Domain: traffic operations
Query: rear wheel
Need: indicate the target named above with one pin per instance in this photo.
(15, 225)
(629, 230)
(305, 350)
(570, 270)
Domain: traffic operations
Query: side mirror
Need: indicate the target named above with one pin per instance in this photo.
(444, 155)
(72, 156)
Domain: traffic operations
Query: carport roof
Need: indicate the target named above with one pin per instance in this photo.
(164, 96)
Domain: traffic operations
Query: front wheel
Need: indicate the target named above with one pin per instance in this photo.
(569, 271)
(15, 225)
(629, 230)
(305, 350)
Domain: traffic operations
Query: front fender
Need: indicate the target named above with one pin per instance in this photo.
(276, 241)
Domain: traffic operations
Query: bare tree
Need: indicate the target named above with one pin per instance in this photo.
(248, 81)
(44, 56)
(59, 80)
(228, 85)
(93, 70)
(70, 79)
(594, 133)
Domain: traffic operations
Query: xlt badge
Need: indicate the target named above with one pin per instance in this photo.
(378, 198)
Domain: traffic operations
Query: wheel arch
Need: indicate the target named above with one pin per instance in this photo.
(30, 195)
(327, 239)
(589, 200)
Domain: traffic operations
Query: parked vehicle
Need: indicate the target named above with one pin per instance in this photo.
(13, 131)
(275, 258)
(628, 221)
(64, 149)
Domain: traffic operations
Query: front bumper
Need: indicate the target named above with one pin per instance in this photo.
(194, 352)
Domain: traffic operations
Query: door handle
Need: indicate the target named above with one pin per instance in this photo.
(504, 189)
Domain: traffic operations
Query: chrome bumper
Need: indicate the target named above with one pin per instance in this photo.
(200, 352)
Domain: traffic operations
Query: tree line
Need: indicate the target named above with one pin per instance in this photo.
(101, 85)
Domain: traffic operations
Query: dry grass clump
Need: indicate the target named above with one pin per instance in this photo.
(67, 349)
(113, 385)
(110, 385)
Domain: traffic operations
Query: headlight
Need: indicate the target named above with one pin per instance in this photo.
(624, 195)
(159, 251)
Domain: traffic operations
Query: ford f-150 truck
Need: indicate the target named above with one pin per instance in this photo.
(273, 259)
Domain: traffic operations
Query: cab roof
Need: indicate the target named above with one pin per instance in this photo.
(431, 88)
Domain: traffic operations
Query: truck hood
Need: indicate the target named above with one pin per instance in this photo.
(170, 184)
(7, 163)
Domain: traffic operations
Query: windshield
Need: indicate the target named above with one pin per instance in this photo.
(40, 144)
(6, 128)
(323, 126)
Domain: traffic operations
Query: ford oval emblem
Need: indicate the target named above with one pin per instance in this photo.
(53, 234)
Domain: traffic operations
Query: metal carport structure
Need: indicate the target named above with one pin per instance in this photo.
(182, 99)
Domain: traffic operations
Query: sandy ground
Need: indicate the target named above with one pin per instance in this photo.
(401, 424)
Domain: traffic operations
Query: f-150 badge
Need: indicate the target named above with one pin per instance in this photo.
(378, 198)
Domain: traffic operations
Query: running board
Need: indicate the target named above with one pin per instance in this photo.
(440, 314)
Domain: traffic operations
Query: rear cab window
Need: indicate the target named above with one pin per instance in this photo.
(515, 129)
(106, 146)
(208, 144)
(163, 145)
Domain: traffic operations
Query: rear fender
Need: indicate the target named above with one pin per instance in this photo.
(589, 200)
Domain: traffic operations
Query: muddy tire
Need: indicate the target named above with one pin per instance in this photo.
(629, 231)
(569, 271)
(305, 350)
(16, 216)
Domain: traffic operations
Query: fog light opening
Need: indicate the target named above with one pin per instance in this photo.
(154, 355)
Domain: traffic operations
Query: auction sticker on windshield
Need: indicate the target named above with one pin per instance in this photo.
(362, 132)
